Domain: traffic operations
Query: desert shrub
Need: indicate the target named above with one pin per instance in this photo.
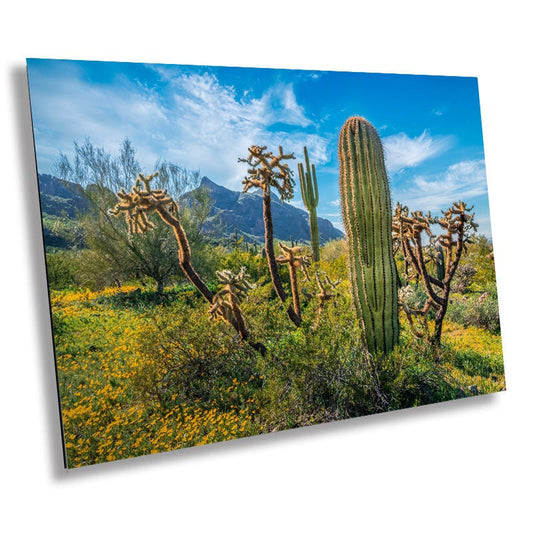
(480, 257)
(333, 259)
(61, 270)
(477, 364)
(207, 259)
(464, 277)
(255, 265)
(477, 310)
(190, 359)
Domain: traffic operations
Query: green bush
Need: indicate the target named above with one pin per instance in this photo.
(477, 310)
(61, 267)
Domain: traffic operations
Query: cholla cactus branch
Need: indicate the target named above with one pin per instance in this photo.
(226, 301)
(267, 171)
(458, 224)
(141, 201)
(294, 257)
(323, 293)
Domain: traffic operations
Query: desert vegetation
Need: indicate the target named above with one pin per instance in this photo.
(169, 336)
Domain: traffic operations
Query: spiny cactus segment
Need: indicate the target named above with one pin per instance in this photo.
(226, 301)
(267, 171)
(295, 258)
(309, 190)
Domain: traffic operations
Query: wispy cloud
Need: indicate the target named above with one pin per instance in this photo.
(202, 125)
(402, 151)
(210, 119)
(462, 181)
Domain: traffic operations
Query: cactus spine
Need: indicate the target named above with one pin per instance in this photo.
(367, 214)
(309, 188)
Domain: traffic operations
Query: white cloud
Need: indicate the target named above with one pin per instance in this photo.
(462, 181)
(204, 125)
(213, 128)
(402, 151)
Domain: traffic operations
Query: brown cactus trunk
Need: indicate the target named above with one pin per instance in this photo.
(271, 258)
(184, 254)
(239, 319)
(294, 289)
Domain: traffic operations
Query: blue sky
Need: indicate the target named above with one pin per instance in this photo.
(204, 118)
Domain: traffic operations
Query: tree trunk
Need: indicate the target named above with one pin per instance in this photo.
(160, 287)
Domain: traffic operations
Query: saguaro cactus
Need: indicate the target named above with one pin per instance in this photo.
(309, 188)
(367, 214)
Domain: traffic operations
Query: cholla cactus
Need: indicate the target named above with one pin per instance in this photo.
(323, 293)
(141, 201)
(294, 257)
(268, 171)
(226, 301)
(408, 230)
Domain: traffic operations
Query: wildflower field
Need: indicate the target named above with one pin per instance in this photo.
(141, 373)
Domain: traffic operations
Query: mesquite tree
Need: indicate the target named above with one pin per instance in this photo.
(269, 171)
(408, 229)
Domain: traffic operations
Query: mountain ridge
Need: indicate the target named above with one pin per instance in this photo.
(244, 212)
(231, 210)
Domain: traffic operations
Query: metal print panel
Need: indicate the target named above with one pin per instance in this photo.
(236, 251)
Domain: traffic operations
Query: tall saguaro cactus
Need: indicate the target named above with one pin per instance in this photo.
(309, 188)
(367, 214)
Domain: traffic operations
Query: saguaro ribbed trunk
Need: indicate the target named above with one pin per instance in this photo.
(367, 214)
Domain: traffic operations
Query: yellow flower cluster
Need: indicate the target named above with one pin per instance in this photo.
(104, 416)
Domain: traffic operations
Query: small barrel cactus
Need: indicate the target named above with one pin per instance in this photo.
(367, 215)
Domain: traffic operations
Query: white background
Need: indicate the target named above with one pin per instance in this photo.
(466, 465)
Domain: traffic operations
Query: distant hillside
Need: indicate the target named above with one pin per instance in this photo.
(61, 201)
(244, 212)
